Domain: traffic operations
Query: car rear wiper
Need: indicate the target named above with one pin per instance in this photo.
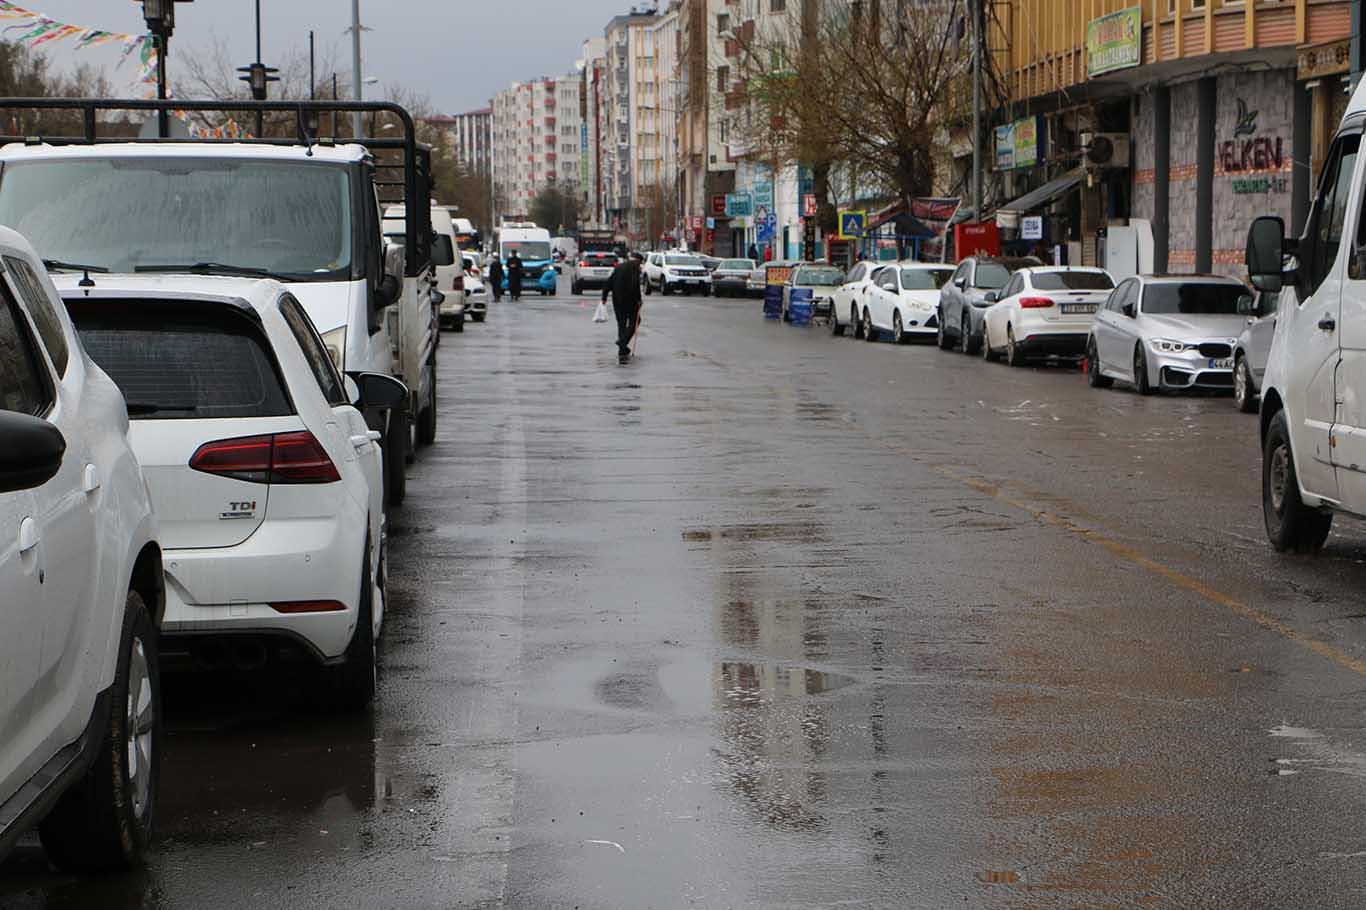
(147, 407)
(57, 265)
(212, 268)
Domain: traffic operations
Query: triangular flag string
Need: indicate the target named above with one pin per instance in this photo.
(37, 29)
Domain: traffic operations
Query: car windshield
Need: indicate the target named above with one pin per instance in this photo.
(527, 249)
(119, 213)
(991, 275)
(925, 279)
(692, 261)
(1193, 299)
(1071, 281)
(818, 277)
(737, 265)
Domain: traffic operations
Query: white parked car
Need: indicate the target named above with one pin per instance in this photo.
(1162, 332)
(81, 592)
(670, 272)
(1045, 311)
(476, 292)
(1313, 412)
(1252, 351)
(267, 480)
(849, 298)
(903, 300)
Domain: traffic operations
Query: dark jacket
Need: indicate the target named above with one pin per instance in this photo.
(515, 274)
(496, 270)
(624, 285)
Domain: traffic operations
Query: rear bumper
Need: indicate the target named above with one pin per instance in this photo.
(229, 590)
(591, 281)
(1063, 343)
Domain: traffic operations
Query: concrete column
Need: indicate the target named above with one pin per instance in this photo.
(1302, 154)
(1206, 93)
(1162, 176)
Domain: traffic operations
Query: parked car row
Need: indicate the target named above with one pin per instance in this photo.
(205, 424)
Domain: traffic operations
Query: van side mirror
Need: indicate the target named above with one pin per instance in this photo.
(388, 289)
(1266, 253)
(32, 453)
(378, 391)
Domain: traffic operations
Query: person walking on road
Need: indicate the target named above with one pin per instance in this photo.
(515, 275)
(624, 287)
(496, 276)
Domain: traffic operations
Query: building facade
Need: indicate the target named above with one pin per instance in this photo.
(1188, 116)
(536, 142)
(470, 136)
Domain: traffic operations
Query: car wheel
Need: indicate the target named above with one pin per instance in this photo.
(648, 290)
(706, 292)
(988, 354)
(396, 458)
(941, 335)
(1141, 383)
(575, 288)
(103, 823)
(898, 330)
(459, 324)
(1290, 524)
(1243, 396)
(855, 320)
(426, 418)
(870, 331)
(478, 317)
(350, 686)
(1014, 356)
(1094, 376)
(965, 336)
(835, 327)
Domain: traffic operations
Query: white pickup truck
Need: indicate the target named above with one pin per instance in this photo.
(1313, 411)
(305, 212)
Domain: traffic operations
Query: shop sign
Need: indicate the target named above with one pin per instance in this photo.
(739, 205)
(809, 206)
(809, 239)
(718, 204)
(1247, 151)
(763, 195)
(1031, 227)
(1333, 58)
(711, 224)
(1017, 144)
(1114, 42)
(1259, 186)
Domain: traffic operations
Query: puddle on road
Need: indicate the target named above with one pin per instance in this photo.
(790, 532)
(744, 684)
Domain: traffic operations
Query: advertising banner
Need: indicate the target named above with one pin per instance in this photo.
(1114, 42)
(1017, 144)
(1005, 147)
(935, 212)
(799, 306)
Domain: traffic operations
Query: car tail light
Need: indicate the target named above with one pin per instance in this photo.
(1035, 303)
(583, 263)
(459, 282)
(309, 606)
(281, 458)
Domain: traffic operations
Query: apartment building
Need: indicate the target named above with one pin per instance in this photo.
(470, 136)
(592, 67)
(1192, 116)
(632, 62)
(537, 141)
(706, 170)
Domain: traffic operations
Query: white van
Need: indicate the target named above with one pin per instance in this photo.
(1313, 413)
(447, 269)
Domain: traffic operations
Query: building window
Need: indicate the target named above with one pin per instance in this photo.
(722, 23)
(722, 78)
(777, 6)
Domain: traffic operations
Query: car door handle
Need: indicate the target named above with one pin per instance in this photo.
(28, 535)
(1328, 323)
(362, 439)
(91, 481)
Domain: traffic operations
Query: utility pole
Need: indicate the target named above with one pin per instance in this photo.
(160, 18)
(312, 69)
(974, 10)
(355, 65)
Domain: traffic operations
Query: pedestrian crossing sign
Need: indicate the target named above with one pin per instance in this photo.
(852, 224)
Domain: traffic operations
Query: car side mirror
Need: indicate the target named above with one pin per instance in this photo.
(438, 298)
(992, 296)
(32, 453)
(1247, 305)
(388, 289)
(1128, 310)
(378, 391)
(960, 283)
(1266, 253)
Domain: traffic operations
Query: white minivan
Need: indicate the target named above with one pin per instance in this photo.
(1313, 412)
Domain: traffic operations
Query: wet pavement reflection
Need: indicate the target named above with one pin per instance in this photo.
(769, 619)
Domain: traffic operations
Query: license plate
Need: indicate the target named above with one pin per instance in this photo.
(1226, 364)
(1078, 308)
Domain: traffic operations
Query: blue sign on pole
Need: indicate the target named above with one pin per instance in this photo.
(765, 223)
(852, 223)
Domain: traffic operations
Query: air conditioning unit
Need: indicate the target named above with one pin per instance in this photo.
(1105, 150)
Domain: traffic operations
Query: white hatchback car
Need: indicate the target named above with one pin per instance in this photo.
(1044, 311)
(81, 591)
(266, 478)
(849, 298)
(903, 299)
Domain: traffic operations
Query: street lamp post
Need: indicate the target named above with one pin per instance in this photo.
(258, 76)
(160, 17)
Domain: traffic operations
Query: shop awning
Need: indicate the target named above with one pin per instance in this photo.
(1045, 194)
(904, 224)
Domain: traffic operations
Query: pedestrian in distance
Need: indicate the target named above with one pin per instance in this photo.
(753, 252)
(515, 275)
(624, 288)
(496, 277)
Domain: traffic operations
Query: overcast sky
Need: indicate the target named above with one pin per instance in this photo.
(457, 52)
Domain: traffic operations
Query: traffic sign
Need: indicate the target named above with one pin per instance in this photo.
(765, 222)
(852, 224)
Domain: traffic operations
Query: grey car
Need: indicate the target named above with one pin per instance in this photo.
(1160, 332)
(731, 277)
(963, 304)
(1252, 350)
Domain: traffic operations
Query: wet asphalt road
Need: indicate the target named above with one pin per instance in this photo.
(771, 619)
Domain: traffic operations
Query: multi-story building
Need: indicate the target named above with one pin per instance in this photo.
(706, 171)
(655, 118)
(470, 136)
(536, 142)
(629, 42)
(1192, 116)
(592, 71)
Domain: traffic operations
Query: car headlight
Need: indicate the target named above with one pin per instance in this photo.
(1167, 346)
(335, 342)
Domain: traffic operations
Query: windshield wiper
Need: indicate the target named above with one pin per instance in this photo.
(212, 268)
(57, 265)
(147, 407)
